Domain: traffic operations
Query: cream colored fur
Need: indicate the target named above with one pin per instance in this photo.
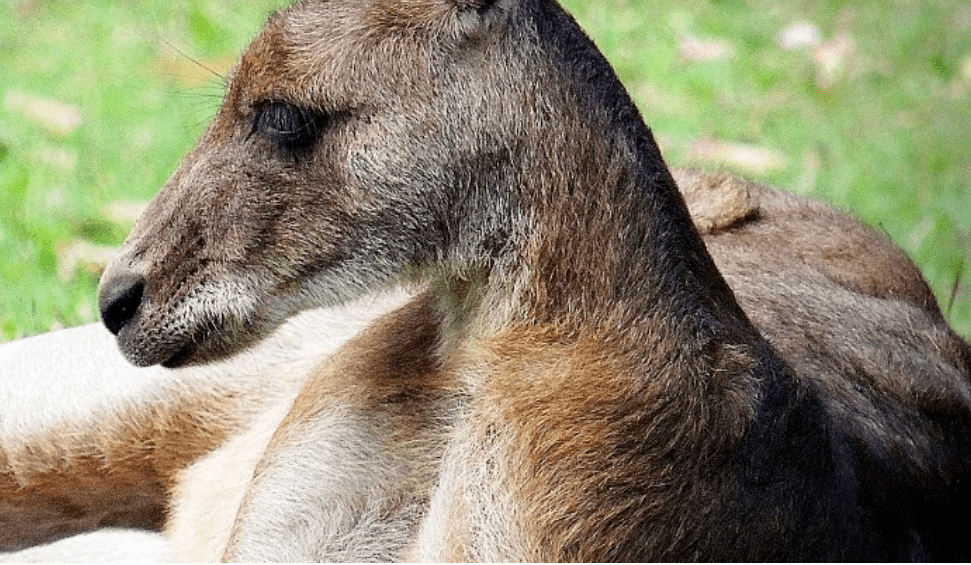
(77, 377)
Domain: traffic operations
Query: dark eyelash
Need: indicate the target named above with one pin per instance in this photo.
(290, 127)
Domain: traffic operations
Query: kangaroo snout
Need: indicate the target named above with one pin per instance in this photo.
(170, 321)
(119, 299)
(125, 307)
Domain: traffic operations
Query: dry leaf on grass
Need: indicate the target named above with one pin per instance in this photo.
(82, 254)
(799, 34)
(695, 49)
(124, 212)
(56, 117)
(960, 85)
(748, 158)
(832, 60)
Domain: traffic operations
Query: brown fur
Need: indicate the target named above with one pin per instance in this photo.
(389, 378)
(118, 474)
(588, 379)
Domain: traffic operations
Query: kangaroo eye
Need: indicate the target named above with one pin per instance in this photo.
(290, 127)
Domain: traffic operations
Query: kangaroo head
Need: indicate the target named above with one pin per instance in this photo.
(361, 140)
(346, 132)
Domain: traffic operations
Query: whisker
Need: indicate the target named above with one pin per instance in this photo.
(221, 77)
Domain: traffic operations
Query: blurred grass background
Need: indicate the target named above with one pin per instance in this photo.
(865, 105)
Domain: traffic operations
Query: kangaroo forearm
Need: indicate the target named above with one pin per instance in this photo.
(81, 497)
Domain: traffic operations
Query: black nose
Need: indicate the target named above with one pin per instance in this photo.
(119, 300)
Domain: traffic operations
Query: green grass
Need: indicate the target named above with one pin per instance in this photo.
(888, 136)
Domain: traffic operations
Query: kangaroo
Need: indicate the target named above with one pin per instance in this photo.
(583, 373)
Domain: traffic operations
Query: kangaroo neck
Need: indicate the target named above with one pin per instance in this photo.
(617, 245)
(579, 222)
